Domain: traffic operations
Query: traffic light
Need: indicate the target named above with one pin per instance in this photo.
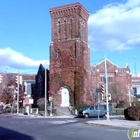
(109, 97)
(102, 96)
(1, 77)
(103, 89)
(17, 79)
(20, 80)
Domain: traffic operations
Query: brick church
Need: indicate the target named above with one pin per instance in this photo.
(71, 76)
(69, 55)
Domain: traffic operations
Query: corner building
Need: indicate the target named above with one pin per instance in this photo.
(119, 81)
(69, 55)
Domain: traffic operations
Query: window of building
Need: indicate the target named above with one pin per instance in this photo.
(135, 91)
(71, 27)
(65, 29)
(121, 96)
(110, 79)
(58, 30)
(102, 79)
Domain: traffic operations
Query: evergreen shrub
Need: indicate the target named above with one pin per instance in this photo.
(132, 113)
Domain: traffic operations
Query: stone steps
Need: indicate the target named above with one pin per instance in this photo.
(63, 111)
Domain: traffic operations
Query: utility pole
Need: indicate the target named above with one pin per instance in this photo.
(45, 92)
(107, 106)
(18, 95)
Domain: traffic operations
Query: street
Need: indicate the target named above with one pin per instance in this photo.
(56, 129)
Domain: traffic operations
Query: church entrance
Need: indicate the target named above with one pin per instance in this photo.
(65, 97)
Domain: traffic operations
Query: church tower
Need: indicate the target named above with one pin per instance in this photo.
(69, 55)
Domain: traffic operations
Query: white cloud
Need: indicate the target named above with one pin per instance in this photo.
(116, 27)
(11, 58)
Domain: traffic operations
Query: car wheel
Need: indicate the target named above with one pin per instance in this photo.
(86, 115)
(104, 116)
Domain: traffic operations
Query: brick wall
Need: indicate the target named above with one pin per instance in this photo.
(120, 77)
(69, 52)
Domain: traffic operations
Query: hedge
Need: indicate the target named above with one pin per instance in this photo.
(132, 113)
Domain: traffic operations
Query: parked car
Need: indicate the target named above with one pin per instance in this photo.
(1, 109)
(92, 111)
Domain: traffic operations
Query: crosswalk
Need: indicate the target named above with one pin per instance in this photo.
(62, 122)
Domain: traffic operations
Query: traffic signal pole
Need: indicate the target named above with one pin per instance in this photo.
(98, 92)
(107, 105)
(98, 105)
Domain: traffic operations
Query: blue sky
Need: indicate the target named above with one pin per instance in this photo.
(25, 32)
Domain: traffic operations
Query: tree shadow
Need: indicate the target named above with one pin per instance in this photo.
(7, 134)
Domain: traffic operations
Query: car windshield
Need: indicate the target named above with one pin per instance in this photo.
(100, 107)
(86, 107)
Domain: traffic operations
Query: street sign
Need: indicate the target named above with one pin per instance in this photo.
(98, 90)
(31, 101)
(50, 99)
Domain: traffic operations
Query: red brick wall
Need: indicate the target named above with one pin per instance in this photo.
(69, 52)
(121, 76)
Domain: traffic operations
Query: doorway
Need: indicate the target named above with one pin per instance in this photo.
(65, 97)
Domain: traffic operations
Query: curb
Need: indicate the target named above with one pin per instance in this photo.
(114, 126)
(105, 125)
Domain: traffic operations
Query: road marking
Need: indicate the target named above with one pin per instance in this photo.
(71, 121)
(58, 122)
(115, 130)
(62, 122)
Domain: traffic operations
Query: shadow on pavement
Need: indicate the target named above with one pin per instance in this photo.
(7, 134)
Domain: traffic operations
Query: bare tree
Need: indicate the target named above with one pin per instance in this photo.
(7, 89)
(7, 96)
(116, 92)
(8, 79)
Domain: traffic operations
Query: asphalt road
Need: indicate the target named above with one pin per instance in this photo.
(56, 129)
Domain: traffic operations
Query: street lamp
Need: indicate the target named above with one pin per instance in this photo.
(107, 106)
(46, 101)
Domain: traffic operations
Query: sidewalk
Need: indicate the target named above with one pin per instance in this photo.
(119, 122)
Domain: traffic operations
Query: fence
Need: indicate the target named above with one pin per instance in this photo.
(14, 110)
(118, 111)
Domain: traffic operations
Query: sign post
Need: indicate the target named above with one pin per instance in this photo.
(98, 90)
(51, 99)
